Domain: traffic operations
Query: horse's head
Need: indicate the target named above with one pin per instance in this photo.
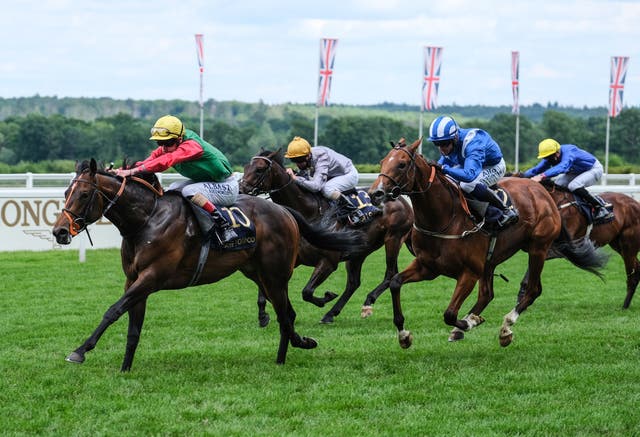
(258, 173)
(397, 172)
(84, 202)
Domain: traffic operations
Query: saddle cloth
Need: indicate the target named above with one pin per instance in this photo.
(361, 200)
(242, 225)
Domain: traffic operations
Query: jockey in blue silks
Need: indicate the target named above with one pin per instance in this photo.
(474, 159)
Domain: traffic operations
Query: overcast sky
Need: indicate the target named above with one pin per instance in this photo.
(268, 50)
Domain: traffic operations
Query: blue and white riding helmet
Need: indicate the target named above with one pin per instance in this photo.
(443, 128)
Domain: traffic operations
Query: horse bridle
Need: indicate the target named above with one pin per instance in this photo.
(78, 221)
(398, 189)
(256, 188)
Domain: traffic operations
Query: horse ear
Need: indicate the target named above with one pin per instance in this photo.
(416, 143)
(93, 166)
(402, 142)
(392, 144)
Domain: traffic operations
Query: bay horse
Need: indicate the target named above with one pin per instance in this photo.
(448, 241)
(266, 174)
(622, 233)
(162, 242)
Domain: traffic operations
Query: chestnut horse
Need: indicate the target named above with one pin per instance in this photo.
(622, 234)
(448, 241)
(266, 174)
(162, 249)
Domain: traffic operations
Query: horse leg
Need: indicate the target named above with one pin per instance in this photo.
(392, 249)
(263, 316)
(532, 291)
(473, 318)
(633, 277)
(114, 312)
(464, 287)
(321, 272)
(413, 273)
(632, 268)
(354, 272)
(136, 319)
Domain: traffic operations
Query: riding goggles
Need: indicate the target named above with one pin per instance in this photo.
(162, 132)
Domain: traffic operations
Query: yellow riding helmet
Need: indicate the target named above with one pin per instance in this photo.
(547, 148)
(166, 128)
(297, 148)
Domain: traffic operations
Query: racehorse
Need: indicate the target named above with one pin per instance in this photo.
(622, 233)
(448, 241)
(266, 174)
(162, 242)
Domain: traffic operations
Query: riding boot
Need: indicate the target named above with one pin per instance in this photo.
(485, 194)
(223, 230)
(601, 211)
(349, 210)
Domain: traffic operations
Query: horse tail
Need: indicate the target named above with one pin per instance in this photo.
(583, 254)
(324, 236)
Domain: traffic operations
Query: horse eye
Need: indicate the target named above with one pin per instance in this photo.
(402, 165)
(84, 196)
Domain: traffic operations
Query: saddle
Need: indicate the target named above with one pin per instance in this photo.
(484, 211)
(587, 209)
(361, 203)
(242, 225)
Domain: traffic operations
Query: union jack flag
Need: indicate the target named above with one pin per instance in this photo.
(619, 66)
(327, 57)
(515, 84)
(431, 81)
(200, 51)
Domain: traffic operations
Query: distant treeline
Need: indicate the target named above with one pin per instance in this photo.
(45, 133)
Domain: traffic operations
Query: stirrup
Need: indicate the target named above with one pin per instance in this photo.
(356, 217)
(224, 235)
(508, 216)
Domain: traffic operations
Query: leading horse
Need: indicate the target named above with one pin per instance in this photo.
(161, 249)
(266, 174)
(448, 241)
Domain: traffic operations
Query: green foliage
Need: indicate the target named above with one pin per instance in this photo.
(40, 129)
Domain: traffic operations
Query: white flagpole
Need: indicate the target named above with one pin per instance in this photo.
(606, 153)
(201, 106)
(517, 158)
(315, 130)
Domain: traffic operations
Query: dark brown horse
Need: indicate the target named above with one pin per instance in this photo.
(266, 174)
(448, 241)
(161, 249)
(622, 234)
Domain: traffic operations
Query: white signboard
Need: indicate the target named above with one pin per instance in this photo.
(27, 216)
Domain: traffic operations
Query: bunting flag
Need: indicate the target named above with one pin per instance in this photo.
(515, 83)
(200, 51)
(431, 77)
(327, 57)
(619, 66)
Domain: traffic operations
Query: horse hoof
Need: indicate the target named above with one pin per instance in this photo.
(456, 335)
(329, 296)
(405, 338)
(366, 311)
(264, 320)
(75, 357)
(308, 343)
(327, 320)
(506, 340)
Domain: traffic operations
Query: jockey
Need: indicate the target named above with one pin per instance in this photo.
(210, 179)
(326, 171)
(574, 169)
(474, 159)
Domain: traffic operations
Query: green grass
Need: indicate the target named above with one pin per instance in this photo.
(204, 367)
